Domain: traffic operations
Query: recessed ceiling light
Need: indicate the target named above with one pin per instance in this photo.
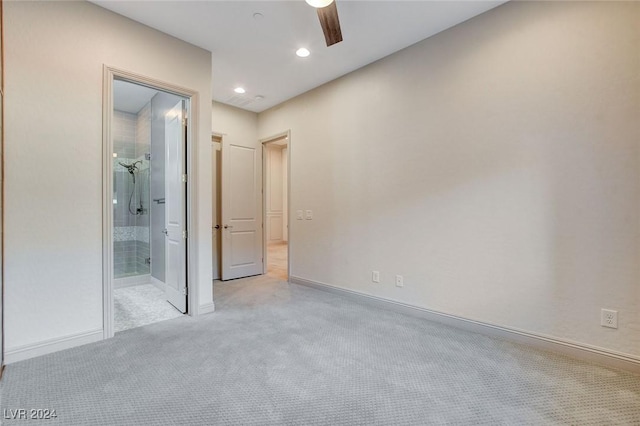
(319, 3)
(302, 52)
(239, 90)
(257, 16)
(259, 97)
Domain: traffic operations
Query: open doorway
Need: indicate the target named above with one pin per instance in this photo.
(146, 213)
(276, 205)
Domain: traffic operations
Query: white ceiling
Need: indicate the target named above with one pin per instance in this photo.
(259, 54)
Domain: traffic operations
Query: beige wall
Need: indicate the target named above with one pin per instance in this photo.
(55, 52)
(496, 166)
(236, 125)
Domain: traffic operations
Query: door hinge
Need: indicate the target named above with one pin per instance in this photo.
(185, 234)
(185, 291)
(185, 121)
(185, 178)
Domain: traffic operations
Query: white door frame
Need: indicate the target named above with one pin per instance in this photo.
(216, 204)
(286, 134)
(109, 73)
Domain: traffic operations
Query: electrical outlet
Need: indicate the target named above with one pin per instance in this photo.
(609, 318)
(399, 281)
(375, 276)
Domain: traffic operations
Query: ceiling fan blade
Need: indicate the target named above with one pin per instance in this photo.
(330, 24)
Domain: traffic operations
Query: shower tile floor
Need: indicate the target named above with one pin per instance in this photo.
(141, 305)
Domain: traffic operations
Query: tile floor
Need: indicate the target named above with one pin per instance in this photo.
(141, 305)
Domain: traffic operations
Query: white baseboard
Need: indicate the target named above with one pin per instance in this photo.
(159, 284)
(576, 350)
(207, 308)
(21, 353)
(131, 281)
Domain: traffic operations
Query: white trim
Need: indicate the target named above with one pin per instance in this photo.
(159, 284)
(107, 204)
(569, 348)
(216, 219)
(21, 353)
(131, 281)
(193, 281)
(109, 73)
(282, 135)
(207, 308)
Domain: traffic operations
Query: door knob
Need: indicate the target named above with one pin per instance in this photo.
(217, 226)
(228, 226)
(165, 232)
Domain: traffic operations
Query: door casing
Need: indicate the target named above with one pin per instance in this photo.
(216, 205)
(109, 74)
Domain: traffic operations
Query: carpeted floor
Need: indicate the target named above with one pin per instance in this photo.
(280, 354)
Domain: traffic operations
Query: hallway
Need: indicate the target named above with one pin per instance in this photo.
(277, 260)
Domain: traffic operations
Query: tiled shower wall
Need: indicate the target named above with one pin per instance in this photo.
(131, 133)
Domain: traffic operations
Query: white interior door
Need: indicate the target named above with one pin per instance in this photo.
(273, 192)
(241, 211)
(175, 211)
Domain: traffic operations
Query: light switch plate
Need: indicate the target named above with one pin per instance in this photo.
(299, 215)
(609, 318)
(399, 281)
(309, 215)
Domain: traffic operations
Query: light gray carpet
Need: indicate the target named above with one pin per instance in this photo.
(275, 353)
(141, 305)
